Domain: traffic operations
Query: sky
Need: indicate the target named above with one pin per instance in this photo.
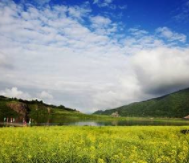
(93, 54)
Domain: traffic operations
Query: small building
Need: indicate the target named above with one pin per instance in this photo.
(187, 117)
(115, 114)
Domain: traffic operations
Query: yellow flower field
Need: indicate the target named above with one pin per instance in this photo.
(69, 144)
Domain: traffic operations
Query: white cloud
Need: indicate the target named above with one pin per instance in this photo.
(170, 35)
(105, 3)
(79, 11)
(182, 14)
(42, 2)
(14, 92)
(100, 20)
(80, 64)
(6, 62)
(3, 60)
(102, 3)
(45, 95)
(137, 32)
(162, 70)
(103, 25)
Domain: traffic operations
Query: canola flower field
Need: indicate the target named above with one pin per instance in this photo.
(71, 144)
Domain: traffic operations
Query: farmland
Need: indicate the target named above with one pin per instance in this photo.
(85, 144)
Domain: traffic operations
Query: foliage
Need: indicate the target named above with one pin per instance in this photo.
(4, 109)
(36, 109)
(94, 145)
(172, 105)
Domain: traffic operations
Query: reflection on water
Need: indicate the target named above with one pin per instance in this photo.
(85, 124)
(61, 120)
(129, 123)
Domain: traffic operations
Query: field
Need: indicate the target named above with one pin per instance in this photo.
(69, 144)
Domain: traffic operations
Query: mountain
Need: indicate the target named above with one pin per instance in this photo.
(12, 107)
(172, 105)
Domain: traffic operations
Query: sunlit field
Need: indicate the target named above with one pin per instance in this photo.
(71, 144)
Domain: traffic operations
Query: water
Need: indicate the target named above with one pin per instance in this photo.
(62, 120)
(100, 123)
(129, 123)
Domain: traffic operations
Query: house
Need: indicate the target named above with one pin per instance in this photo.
(115, 114)
(187, 117)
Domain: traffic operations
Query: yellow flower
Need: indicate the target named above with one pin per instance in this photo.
(101, 160)
(29, 156)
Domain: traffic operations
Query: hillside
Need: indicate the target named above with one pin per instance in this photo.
(12, 107)
(172, 105)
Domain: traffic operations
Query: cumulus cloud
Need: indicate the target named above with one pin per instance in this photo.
(103, 25)
(14, 92)
(79, 11)
(82, 66)
(100, 21)
(170, 35)
(162, 70)
(45, 95)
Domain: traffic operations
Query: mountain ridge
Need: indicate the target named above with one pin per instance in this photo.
(13, 107)
(173, 105)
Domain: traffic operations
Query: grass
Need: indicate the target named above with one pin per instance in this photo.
(38, 111)
(35, 109)
(71, 144)
(5, 110)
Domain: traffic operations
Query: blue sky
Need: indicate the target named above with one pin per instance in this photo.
(94, 54)
(145, 14)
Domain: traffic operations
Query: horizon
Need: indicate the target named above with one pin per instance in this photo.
(40, 100)
(94, 54)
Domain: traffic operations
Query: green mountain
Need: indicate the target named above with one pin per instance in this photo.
(171, 105)
(12, 107)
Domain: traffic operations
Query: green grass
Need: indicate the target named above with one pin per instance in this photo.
(38, 111)
(94, 145)
(5, 110)
(35, 109)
